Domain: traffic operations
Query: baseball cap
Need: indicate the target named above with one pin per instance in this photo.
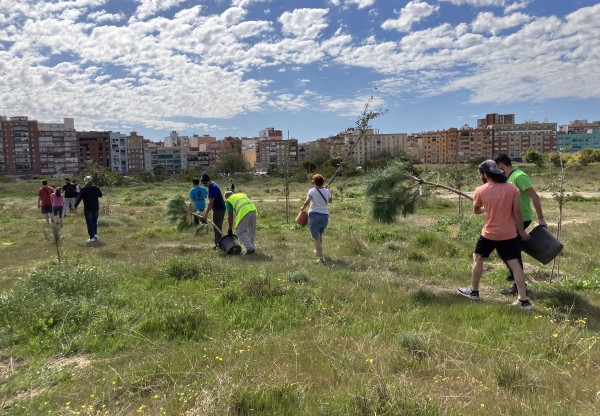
(490, 167)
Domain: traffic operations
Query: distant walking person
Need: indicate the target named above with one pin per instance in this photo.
(57, 206)
(231, 185)
(216, 204)
(198, 197)
(89, 194)
(528, 195)
(501, 204)
(70, 195)
(241, 208)
(319, 199)
(45, 201)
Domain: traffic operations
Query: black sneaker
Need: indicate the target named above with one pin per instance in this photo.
(467, 292)
(513, 290)
(523, 304)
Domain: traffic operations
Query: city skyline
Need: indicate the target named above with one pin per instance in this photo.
(235, 67)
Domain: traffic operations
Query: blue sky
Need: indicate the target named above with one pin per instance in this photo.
(307, 67)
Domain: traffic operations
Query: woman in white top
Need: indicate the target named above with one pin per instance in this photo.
(319, 199)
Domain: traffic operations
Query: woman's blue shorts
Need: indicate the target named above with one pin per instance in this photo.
(317, 223)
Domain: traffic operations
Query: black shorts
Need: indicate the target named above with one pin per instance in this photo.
(506, 249)
(46, 209)
(57, 211)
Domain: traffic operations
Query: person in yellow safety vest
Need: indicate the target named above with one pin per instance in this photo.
(240, 206)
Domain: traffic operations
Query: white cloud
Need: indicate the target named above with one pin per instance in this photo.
(361, 4)
(487, 22)
(477, 3)
(149, 8)
(102, 16)
(513, 7)
(158, 71)
(304, 23)
(412, 13)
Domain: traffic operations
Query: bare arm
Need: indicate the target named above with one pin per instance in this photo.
(306, 203)
(478, 209)
(537, 204)
(518, 215)
(208, 207)
(230, 219)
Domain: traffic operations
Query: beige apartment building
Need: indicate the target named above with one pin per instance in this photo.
(515, 139)
(282, 153)
(374, 145)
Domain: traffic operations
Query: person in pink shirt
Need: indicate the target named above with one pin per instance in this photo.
(57, 199)
(501, 203)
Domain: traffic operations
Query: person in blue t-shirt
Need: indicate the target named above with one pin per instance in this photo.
(198, 197)
(216, 203)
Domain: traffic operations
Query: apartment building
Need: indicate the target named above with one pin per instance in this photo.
(94, 146)
(373, 144)
(173, 159)
(58, 148)
(19, 146)
(135, 152)
(118, 152)
(514, 139)
(579, 126)
(575, 141)
(282, 153)
(494, 118)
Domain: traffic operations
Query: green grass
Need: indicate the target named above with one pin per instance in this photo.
(151, 320)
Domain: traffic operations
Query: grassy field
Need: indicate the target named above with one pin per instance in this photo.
(153, 321)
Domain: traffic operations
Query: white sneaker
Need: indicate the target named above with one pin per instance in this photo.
(95, 237)
(90, 240)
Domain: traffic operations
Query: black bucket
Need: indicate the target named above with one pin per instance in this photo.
(542, 245)
(230, 245)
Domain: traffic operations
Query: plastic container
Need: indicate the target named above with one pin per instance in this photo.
(302, 218)
(542, 245)
(230, 245)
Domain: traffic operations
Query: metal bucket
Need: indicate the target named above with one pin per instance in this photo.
(230, 245)
(542, 245)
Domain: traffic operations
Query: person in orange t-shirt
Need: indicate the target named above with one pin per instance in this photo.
(501, 203)
(44, 201)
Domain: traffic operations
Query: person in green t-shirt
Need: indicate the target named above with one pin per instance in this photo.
(528, 195)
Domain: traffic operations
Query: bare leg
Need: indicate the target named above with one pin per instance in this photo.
(517, 270)
(477, 271)
(319, 246)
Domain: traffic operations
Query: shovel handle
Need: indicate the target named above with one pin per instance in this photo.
(211, 223)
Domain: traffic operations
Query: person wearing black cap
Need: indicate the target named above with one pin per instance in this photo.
(501, 203)
(70, 195)
(216, 204)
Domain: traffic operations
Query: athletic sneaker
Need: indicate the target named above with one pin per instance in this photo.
(523, 304)
(467, 292)
(512, 290)
(90, 240)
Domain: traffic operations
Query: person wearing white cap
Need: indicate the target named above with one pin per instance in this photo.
(89, 194)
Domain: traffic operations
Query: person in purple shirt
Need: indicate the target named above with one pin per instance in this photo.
(216, 204)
